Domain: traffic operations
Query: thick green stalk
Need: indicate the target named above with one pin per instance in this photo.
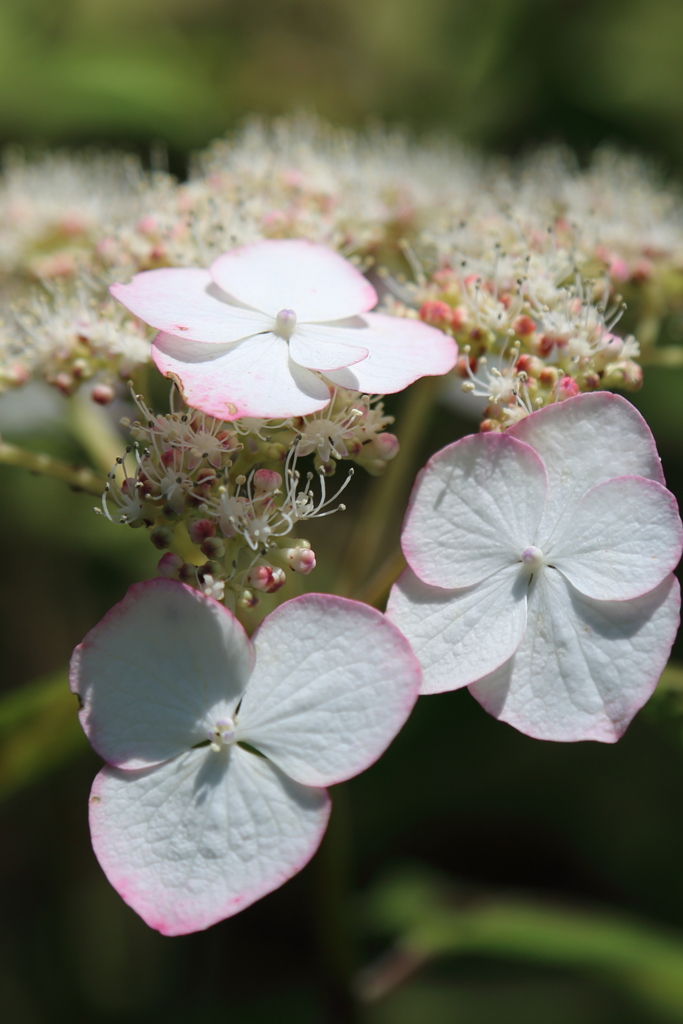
(388, 493)
(80, 478)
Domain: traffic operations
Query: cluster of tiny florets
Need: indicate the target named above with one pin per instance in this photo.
(529, 264)
(223, 499)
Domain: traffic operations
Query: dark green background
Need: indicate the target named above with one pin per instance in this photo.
(457, 790)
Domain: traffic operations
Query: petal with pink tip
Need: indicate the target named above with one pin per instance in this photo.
(320, 347)
(254, 377)
(583, 441)
(199, 838)
(157, 671)
(400, 351)
(274, 274)
(333, 683)
(584, 667)
(460, 635)
(474, 509)
(623, 537)
(186, 302)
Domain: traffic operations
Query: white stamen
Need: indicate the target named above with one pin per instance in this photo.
(532, 558)
(285, 322)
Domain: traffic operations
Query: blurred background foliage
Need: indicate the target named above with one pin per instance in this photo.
(510, 880)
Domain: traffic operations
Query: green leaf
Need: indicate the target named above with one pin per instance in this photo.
(429, 918)
(39, 731)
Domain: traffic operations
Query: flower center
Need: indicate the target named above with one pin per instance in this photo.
(532, 558)
(222, 734)
(285, 322)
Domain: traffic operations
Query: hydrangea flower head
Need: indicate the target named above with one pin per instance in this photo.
(540, 569)
(217, 747)
(245, 337)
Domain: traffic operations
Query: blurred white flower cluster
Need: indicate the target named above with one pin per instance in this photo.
(528, 264)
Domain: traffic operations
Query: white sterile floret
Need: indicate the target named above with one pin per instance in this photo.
(250, 336)
(217, 747)
(540, 569)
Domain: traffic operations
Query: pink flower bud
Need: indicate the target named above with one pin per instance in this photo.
(265, 482)
(566, 388)
(266, 578)
(385, 446)
(169, 566)
(300, 559)
(436, 313)
(200, 529)
(103, 394)
(458, 319)
(524, 326)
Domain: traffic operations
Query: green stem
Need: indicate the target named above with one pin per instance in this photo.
(388, 493)
(332, 914)
(80, 478)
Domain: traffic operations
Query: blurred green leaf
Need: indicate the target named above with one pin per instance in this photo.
(39, 731)
(431, 918)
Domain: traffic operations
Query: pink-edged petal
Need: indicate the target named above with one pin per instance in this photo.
(584, 667)
(255, 377)
(320, 347)
(584, 441)
(474, 509)
(460, 635)
(623, 537)
(400, 351)
(333, 683)
(187, 303)
(314, 281)
(195, 840)
(160, 665)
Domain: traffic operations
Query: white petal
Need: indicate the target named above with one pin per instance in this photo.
(621, 540)
(583, 441)
(195, 840)
(254, 377)
(148, 675)
(584, 667)
(474, 509)
(333, 683)
(187, 303)
(320, 347)
(400, 351)
(460, 635)
(314, 281)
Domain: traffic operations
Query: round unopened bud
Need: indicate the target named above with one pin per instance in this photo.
(103, 394)
(566, 388)
(549, 376)
(169, 566)
(523, 326)
(436, 313)
(276, 453)
(200, 529)
(65, 383)
(300, 559)
(385, 446)
(247, 599)
(465, 362)
(626, 374)
(285, 322)
(213, 547)
(266, 578)
(161, 537)
(266, 481)
(187, 573)
(458, 319)
(529, 364)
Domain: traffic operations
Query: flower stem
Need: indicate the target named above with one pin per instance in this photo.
(80, 478)
(332, 914)
(389, 492)
(377, 588)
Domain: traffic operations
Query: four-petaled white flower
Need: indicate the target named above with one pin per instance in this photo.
(190, 824)
(540, 568)
(244, 336)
